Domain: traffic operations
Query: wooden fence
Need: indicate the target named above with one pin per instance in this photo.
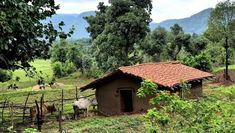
(20, 110)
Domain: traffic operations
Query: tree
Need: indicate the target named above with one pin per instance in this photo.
(177, 40)
(155, 43)
(196, 45)
(221, 26)
(23, 35)
(125, 24)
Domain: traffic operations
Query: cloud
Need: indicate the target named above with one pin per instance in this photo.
(77, 6)
(175, 9)
(162, 9)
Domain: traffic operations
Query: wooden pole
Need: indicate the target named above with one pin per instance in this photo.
(38, 117)
(62, 101)
(11, 113)
(25, 105)
(4, 105)
(41, 105)
(60, 125)
(76, 93)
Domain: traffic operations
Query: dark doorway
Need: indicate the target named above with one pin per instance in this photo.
(126, 100)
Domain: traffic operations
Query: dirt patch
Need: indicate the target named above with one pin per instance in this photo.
(48, 87)
(220, 80)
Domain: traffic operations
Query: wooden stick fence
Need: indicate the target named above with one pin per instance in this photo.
(3, 110)
(14, 108)
(25, 106)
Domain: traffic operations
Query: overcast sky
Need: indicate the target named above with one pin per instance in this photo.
(162, 9)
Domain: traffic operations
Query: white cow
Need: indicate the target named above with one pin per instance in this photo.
(83, 103)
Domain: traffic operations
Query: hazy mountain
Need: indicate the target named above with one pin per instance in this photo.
(73, 19)
(197, 23)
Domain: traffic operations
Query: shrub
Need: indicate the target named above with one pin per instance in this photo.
(201, 61)
(69, 67)
(93, 72)
(58, 69)
(5, 75)
(63, 69)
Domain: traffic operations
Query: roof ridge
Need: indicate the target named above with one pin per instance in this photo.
(151, 63)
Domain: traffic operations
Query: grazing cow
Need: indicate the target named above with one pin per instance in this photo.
(94, 103)
(46, 109)
(83, 104)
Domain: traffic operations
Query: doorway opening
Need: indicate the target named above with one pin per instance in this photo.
(126, 100)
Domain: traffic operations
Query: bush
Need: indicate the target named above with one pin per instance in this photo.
(69, 67)
(93, 72)
(5, 75)
(201, 61)
(63, 69)
(58, 69)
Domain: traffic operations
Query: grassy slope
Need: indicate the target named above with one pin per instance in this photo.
(18, 96)
(40, 65)
(231, 67)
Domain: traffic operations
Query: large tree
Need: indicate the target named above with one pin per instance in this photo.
(177, 39)
(23, 35)
(116, 29)
(196, 45)
(155, 43)
(221, 27)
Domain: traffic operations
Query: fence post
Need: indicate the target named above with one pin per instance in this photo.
(4, 105)
(25, 105)
(76, 93)
(11, 113)
(41, 104)
(38, 117)
(62, 101)
(60, 125)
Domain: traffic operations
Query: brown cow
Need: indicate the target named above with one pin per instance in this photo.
(46, 109)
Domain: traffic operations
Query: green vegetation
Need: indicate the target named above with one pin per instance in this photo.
(117, 29)
(221, 27)
(230, 67)
(214, 98)
(214, 113)
(120, 36)
(23, 35)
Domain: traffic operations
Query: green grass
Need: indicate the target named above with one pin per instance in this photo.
(40, 65)
(231, 67)
(99, 124)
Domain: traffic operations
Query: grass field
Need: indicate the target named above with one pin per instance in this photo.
(230, 67)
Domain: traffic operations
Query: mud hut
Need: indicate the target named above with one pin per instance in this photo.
(116, 92)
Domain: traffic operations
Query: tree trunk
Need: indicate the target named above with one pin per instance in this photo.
(227, 56)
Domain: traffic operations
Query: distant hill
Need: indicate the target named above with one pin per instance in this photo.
(197, 23)
(73, 19)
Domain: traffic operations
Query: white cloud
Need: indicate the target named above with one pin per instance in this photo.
(77, 6)
(175, 9)
(162, 9)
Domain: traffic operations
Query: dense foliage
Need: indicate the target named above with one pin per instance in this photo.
(221, 27)
(5, 75)
(23, 36)
(117, 29)
(208, 114)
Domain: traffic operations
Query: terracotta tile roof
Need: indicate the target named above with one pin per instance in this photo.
(167, 74)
